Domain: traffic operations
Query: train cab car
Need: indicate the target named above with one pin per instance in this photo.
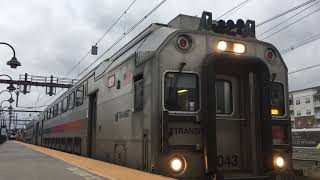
(191, 99)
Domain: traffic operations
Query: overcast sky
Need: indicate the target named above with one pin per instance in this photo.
(50, 37)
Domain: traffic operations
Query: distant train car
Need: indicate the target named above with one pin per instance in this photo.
(29, 133)
(192, 99)
(306, 137)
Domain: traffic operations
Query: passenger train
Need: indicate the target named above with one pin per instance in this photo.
(191, 99)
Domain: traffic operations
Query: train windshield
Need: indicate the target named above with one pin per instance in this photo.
(277, 99)
(181, 92)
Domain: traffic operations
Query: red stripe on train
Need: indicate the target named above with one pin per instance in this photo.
(69, 127)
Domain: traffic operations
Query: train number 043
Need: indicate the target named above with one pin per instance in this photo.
(230, 160)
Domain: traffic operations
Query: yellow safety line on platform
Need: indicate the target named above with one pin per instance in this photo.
(97, 167)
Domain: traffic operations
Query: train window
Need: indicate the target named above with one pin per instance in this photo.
(71, 100)
(79, 95)
(277, 99)
(181, 91)
(224, 103)
(65, 104)
(138, 93)
(59, 107)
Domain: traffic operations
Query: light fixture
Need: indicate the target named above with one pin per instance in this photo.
(182, 91)
(274, 111)
(177, 164)
(233, 47)
(279, 162)
(11, 88)
(270, 54)
(14, 63)
(222, 45)
(239, 48)
(184, 42)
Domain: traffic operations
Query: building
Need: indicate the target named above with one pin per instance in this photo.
(304, 107)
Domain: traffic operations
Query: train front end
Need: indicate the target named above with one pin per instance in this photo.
(224, 104)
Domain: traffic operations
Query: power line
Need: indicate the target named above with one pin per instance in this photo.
(115, 22)
(292, 23)
(104, 34)
(270, 29)
(98, 41)
(284, 13)
(123, 36)
(234, 8)
(303, 69)
(302, 43)
(116, 42)
(307, 41)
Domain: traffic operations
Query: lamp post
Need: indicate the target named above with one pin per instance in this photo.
(13, 63)
(10, 100)
(10, 87)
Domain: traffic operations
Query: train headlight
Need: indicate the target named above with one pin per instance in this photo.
(239, 48)
(279, 162)
(222, 45)
(177, 164)
(233, 47)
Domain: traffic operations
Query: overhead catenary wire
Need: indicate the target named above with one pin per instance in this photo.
(305, 68)
(302, 43)
(233, 9)
(284, 13)
(277, 25)
(276, 32)
(117, 41)
(103, 35)
(123, 36)
(98, 41)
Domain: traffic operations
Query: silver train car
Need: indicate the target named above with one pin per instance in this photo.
(191, 99)
(309, 137)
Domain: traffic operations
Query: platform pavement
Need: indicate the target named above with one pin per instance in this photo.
(26, 161)
(18, 162)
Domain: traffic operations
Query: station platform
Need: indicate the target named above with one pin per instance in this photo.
(20, 161)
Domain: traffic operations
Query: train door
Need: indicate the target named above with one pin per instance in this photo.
(92, 124)
(236, 109)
